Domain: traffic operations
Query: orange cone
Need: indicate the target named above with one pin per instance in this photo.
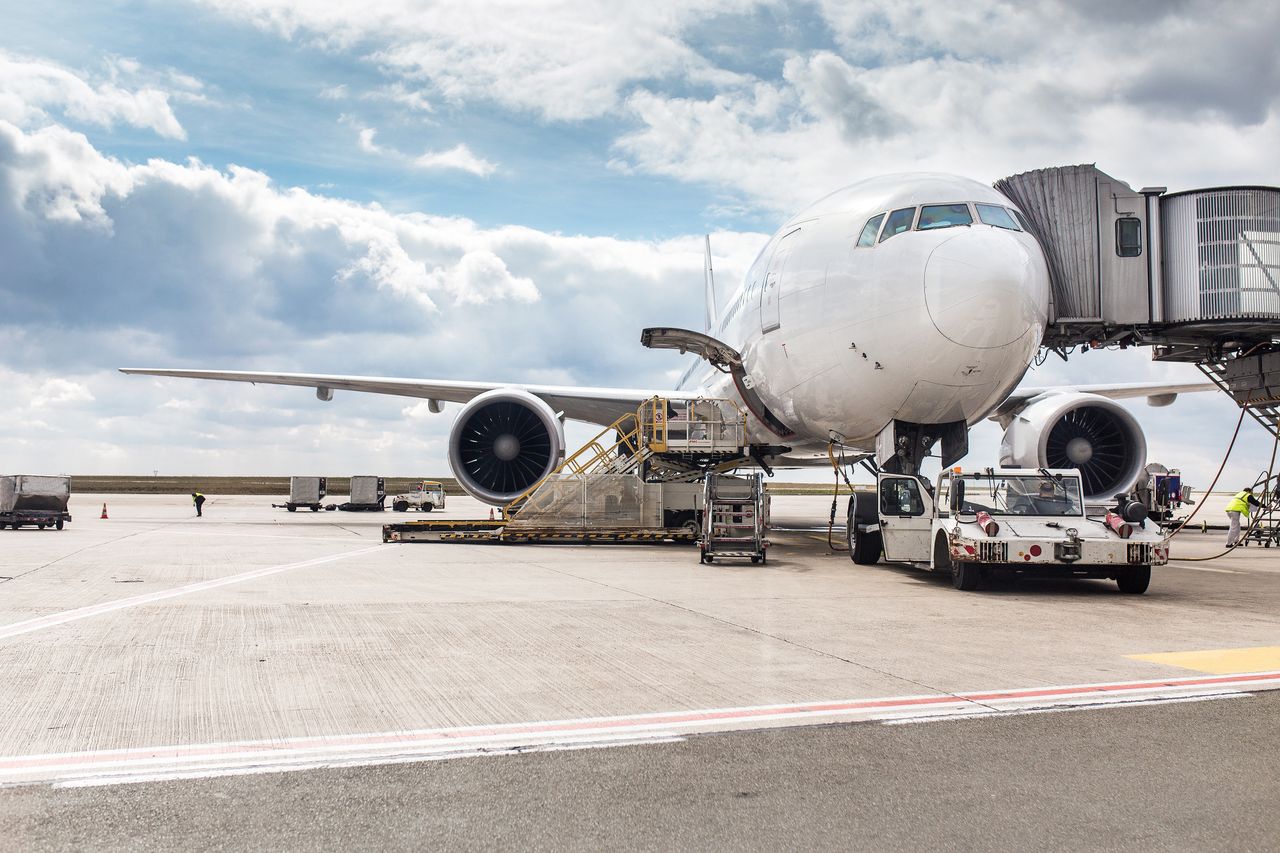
(104, 511)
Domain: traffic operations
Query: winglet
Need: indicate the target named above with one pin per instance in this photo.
(710, 283)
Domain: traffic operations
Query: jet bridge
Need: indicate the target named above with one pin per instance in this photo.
(1195, 274)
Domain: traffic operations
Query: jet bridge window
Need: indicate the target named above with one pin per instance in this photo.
(870, 230)
(899, 221)
(994, 214)
(944, 216)
(1129, 237)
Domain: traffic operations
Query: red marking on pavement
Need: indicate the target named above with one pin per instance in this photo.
(196, 752)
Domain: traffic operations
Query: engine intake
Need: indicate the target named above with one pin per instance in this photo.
(1093, 434)
(503, 442)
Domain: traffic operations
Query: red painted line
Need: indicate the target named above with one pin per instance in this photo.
(568, 727)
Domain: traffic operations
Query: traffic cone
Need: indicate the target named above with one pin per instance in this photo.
(491, 513)
(104, 511)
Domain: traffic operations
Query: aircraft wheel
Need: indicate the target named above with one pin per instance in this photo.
(1135, 581)
(966, 576)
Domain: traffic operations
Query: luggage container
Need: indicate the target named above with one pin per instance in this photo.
(307, 492)
(36, 500)
(367, 495)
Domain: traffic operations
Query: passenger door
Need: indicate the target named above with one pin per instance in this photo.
(906, 518)
(771, 292)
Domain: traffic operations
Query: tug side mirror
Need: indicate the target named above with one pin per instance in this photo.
(957, 495)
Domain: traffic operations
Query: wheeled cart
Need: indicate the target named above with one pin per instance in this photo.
(735, 518)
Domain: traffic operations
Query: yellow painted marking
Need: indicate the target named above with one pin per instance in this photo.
(1220, 661)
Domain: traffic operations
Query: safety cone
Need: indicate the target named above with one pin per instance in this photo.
(104, 511)
(491, 513)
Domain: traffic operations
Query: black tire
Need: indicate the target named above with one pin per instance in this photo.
(427, 507)
(709, 558)
(292, 508)
(1134, 581)
(942, 556)
(58, 524)
(966, 576)
(864, 548)
(400, 506)
(755, 560)
(41, 525)
(315, 509)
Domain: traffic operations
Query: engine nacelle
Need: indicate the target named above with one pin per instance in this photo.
(1093, 434)
(503, 442)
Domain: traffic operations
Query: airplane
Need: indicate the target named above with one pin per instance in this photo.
(886, 318)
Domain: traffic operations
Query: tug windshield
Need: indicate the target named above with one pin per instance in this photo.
(1000, 494)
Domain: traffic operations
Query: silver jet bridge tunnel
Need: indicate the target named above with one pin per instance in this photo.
(1194, 274)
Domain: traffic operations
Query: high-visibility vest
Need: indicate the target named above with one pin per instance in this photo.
(1240, 503)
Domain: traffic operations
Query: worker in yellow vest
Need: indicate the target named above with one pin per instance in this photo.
(1238, 506)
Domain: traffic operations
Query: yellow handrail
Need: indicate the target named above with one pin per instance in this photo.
(590, 456)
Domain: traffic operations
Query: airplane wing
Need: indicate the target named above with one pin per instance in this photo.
(594, 405)
(1157, 393)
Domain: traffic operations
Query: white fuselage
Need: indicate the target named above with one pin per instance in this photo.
(929, 325)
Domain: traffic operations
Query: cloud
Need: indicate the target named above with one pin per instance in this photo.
(561, 62)
(458, 158)
(166, 262)
(57, 391)
(985, 89)
(31, 89)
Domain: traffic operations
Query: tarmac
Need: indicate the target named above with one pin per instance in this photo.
(295, 666)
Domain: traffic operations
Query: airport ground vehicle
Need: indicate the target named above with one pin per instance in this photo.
(426, 496)
(1011, 520)
(306, 492)
(35, 500)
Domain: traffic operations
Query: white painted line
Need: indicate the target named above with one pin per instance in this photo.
(909, 719)
(54, 619)
(267, 756)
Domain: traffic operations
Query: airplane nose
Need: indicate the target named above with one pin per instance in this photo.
(985, 288)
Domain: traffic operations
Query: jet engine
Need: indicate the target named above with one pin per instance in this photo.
(503, 442)
(1084, 431)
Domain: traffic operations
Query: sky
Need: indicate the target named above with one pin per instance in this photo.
(512, 190)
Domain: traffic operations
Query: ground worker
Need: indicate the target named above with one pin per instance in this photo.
(198, 500)
(1239, 506)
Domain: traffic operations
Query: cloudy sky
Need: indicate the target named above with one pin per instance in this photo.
(512, 190)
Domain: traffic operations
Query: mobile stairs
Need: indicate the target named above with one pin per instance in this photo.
(737, 517)
(635, 481)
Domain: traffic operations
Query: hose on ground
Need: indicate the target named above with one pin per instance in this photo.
(1253, 522)
(1221, 467)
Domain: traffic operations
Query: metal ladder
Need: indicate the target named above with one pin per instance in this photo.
(735, 518)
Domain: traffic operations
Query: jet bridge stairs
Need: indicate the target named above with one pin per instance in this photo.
(638, 480)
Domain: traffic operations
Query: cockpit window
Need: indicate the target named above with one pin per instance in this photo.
(1022, 220)
(944, 216)
(870, 230)
(899, 221)
(994, 214)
